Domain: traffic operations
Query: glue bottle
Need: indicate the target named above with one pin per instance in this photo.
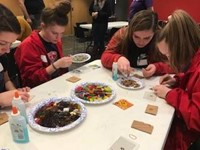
(19, 103)
(18, 127)
(114, 70)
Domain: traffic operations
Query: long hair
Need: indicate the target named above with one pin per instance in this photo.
(182, 35)
(143, 20)
(8, 21)
(56, 15)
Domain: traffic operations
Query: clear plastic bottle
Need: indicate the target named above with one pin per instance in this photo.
(18, 127)
(114, 70)
(19, 103)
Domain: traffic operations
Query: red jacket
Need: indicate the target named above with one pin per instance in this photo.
(29, 57)
(185, 98)
(112, 53)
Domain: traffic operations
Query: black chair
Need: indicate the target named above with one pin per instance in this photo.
(112, 32)
(13, 70)
(82, 38)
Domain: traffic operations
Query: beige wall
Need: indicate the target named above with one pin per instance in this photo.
(13, 6)
(79, 11)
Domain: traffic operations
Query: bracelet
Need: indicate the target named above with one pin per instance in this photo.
(54, 67)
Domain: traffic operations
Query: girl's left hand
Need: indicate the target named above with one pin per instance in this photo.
(161, 90)
(149, 70)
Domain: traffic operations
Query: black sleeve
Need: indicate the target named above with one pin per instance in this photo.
(91, 8)
(4, 62)
(105, 12)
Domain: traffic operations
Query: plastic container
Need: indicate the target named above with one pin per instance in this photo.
(18, 127)
(19, 103)
(114, 70)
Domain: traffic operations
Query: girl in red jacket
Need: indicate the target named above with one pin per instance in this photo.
(133, 46)
(180, 42)
(40, 57)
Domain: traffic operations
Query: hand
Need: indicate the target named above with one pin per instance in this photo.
(29, 20)
(124, 65)
(149, 70)
(94, 14)
(161, 90)
(24, 89)
(63, 62)
(24, 95)
(167, 79)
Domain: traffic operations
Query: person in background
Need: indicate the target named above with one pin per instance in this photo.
(32, 10)
(40, 57)
(179, 40)
(9, 31)
(133, 46)
(138, 5)
(100, 11)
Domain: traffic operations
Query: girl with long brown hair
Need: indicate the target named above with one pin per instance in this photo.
(180, 42)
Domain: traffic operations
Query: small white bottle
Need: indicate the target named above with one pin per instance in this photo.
(114, 70)
(18, 127)
(19, 103)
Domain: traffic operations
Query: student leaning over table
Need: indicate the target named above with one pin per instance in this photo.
(133, 46)
(9, 31)
(40, 57)
(180, 42)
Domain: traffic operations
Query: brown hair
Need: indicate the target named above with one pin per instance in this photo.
(8, 21)
(182, 35)
(143, 20)
(57, 14)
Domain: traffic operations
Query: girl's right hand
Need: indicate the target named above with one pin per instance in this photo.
(63, 62)
(124, 65)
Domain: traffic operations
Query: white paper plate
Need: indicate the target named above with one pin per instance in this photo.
(138, 81)
(80, 58)
(95, 101)
(40, 128)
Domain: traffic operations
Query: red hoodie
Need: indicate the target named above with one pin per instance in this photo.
(112, 53)
(185, 98)
(31, 59)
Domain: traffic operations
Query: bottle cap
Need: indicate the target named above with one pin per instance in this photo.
(15, 111)
(16, 96)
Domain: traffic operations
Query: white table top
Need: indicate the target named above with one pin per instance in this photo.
(115, 24)
(104, 124)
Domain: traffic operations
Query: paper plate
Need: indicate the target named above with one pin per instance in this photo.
(93, 92)
(131, 83)
(80, 58)
(33, 120)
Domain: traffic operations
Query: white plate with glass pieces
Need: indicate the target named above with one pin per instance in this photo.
(80, 58)
(131, 83)
(56, 115)
(93, 92)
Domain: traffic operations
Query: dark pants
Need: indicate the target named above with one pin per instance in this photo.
(35, 21)
(99, 31)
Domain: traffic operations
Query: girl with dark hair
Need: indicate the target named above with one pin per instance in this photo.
(40, 57)
(9, 31)
(133, 46)
(179, 40)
